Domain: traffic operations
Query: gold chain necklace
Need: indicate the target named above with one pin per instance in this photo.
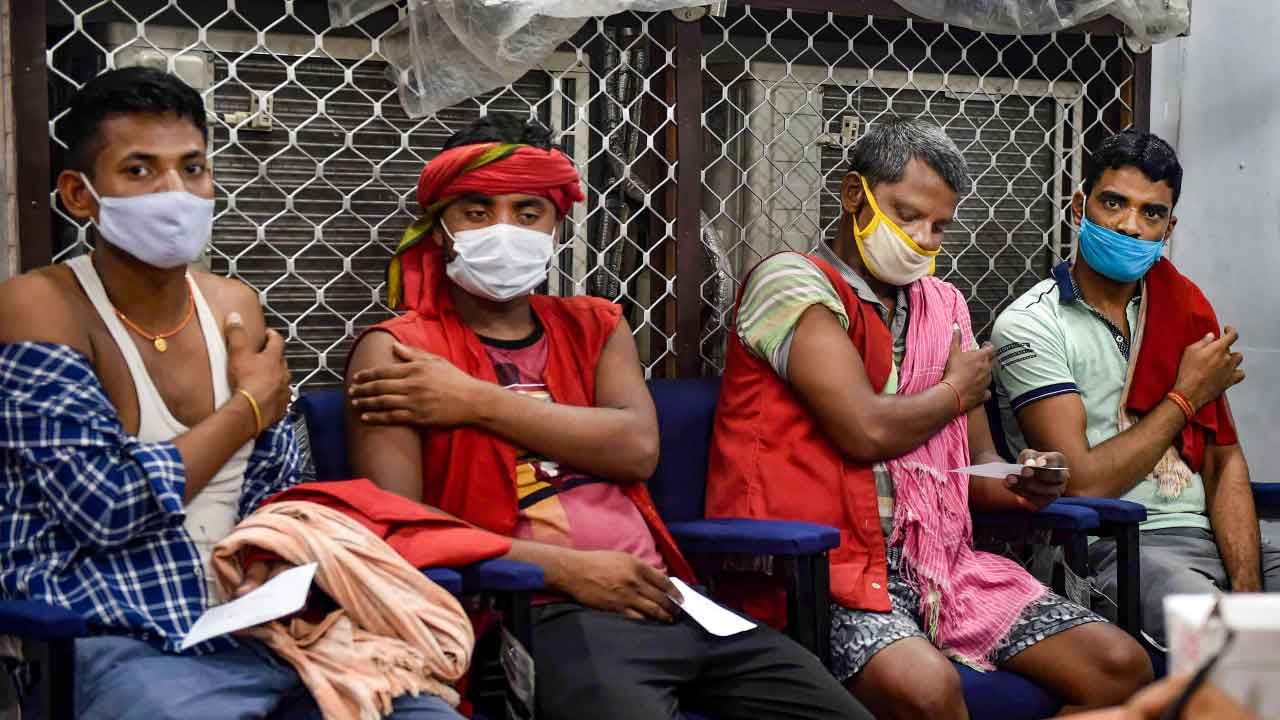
(160, 340)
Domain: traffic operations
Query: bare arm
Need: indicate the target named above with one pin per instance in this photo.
(208, 446)
(1031, 490)
(1111, 468)
(389, 455)
(623, 421)
(827, 373)
(987, 493)
(426, 391)
(1233, 516)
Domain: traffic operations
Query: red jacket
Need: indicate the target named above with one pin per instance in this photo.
(770, 460)
(470, 473)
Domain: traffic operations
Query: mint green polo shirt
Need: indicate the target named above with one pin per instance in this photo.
(1051, 342)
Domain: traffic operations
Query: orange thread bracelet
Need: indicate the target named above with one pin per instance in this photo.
(959, 403)
(1183, 404)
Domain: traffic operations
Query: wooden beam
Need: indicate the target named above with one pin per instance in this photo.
(1140, 97)
(31, 132)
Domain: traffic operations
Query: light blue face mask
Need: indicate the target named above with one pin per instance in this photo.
(1116, 255)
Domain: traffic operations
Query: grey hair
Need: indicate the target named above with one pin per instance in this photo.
(882, 154)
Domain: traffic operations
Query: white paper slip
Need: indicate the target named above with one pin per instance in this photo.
(997, 469)
(282, 595)
(713, 618)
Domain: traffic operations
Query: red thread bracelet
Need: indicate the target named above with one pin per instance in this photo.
(1183, 404)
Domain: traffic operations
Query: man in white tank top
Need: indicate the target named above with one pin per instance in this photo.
(142, 414)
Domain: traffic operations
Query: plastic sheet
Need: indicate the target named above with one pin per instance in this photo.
(346, 12)
(445, 51)
(1150, 21)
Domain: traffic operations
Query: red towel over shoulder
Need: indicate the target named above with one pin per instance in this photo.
(1178, 315)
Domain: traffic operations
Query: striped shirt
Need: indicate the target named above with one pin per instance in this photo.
(779, 292)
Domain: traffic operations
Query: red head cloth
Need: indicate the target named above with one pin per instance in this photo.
(485, 168)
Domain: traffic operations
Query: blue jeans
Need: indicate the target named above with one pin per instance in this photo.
(119, 678)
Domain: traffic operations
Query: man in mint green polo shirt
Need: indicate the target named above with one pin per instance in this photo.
(1063, 359)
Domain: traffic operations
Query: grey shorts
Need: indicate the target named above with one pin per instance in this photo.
(857, 635)
(1174, 561)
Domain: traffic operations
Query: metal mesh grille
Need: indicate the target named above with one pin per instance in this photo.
(315, 161)
(788, 92)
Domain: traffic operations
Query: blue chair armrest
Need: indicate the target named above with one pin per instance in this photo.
(500, 575)
(1266, 495)
(447, 578)
(1110, 510)
(40, 621)
(1057, 516)
(753, 537)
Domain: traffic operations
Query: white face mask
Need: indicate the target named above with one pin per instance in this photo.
(164, 229)
(890, 253)
(499, 262)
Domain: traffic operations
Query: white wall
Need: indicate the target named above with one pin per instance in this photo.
(1216, 97)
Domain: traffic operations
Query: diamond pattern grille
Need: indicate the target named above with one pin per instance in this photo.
(315, 161)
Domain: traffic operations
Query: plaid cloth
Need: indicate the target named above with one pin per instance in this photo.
(91, 518)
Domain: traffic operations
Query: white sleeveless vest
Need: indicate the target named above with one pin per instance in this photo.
(212, 514)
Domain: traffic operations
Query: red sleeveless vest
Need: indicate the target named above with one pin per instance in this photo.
(770, 460)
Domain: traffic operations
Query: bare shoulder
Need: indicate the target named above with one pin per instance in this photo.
(228, 292)
(373, 349)
(227, 295)
(44, 305)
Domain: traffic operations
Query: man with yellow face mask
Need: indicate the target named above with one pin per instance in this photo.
(852, 387)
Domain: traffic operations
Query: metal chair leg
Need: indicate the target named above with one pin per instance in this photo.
(1128, 580)
(55, 663)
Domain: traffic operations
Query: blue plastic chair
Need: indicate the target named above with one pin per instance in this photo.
(686, 412)
(678, 487)
(1266, 497)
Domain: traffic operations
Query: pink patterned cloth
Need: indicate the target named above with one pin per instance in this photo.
(969, 599)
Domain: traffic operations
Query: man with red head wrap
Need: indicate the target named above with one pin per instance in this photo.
(528, 416)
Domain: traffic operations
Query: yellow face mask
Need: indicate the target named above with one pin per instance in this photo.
(889, 253)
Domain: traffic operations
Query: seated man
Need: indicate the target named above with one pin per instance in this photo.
(143, 409)
(848, 396)
(528, 415)
(1118, 361)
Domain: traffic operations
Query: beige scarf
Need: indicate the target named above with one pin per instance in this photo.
(1171, 474)
(395, 631)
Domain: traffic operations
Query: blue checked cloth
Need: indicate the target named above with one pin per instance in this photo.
(91, 518)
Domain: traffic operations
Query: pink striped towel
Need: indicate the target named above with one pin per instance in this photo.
(969, 599)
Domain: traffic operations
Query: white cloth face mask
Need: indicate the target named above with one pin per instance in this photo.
(164, 229)
(499, 262)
